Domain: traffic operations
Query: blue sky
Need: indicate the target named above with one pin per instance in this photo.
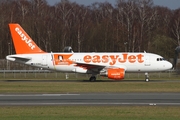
(172, 4)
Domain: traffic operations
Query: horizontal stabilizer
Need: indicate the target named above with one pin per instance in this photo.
(18, 58)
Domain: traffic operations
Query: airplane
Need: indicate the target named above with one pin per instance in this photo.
(112, 65)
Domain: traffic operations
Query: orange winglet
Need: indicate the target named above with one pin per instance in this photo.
(22, 42)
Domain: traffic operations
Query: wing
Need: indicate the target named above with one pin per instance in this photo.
(97, 68)
(91, 67)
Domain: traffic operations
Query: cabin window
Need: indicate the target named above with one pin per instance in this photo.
(160, 59)
(60, 58)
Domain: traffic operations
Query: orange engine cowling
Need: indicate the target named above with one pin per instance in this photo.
(116, 73)
(113, 73)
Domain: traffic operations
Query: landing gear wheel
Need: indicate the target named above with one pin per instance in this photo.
(92, 79)
(146, 77)
(147, 80)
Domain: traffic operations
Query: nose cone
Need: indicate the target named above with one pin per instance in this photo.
(168, 65)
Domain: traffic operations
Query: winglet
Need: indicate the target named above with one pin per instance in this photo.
(22, 42)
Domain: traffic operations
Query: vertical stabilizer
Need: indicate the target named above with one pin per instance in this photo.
(22, 42)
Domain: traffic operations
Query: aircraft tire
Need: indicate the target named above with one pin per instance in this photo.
(92, 79)
(147, 80)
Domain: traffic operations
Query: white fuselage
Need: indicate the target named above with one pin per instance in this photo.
(67, 62)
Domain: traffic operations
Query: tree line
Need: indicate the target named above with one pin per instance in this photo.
(127, 26)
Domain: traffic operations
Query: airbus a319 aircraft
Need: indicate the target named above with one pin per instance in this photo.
(112, 65)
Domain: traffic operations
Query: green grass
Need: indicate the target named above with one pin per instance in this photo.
(89, 113)
(87, 87)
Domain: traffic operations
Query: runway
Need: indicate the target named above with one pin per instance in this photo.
(144, 99)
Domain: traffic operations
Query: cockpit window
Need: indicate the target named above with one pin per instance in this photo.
(160, 59)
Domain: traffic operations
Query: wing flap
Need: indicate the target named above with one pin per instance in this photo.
(91, 67)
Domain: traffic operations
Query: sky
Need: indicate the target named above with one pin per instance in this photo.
(172, 4)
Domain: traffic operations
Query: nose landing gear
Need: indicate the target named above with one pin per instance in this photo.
(146, 77)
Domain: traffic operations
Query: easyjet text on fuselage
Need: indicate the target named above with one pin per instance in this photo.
(113, 59)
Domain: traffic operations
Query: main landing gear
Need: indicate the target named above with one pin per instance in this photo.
(92, 79)
(146, 77)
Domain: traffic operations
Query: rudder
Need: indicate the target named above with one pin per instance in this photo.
(22, 42)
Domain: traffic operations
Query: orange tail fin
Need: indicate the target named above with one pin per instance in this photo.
(22, 42)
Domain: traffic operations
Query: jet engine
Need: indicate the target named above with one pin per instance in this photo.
(113, 73)
(68, 49)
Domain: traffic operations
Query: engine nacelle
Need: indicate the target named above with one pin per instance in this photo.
(114, 73)
(68, 49)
